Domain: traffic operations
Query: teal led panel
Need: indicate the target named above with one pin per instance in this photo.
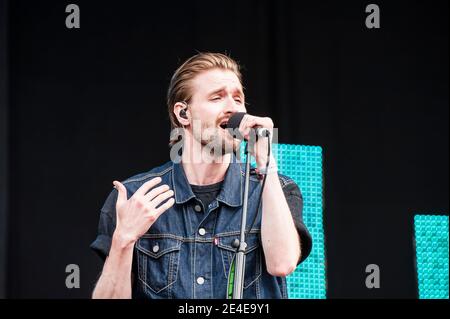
(431, 239)
(304, 165)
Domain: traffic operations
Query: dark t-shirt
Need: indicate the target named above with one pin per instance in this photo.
(207, 193)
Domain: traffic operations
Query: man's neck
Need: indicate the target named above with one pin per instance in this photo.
(203, 169)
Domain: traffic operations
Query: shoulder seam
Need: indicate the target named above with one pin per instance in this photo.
(140, 179)
(288, 183)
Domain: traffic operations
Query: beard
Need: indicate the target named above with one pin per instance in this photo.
(216, 140)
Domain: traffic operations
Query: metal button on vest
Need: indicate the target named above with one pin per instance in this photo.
(197, 208)
(200, 280)
(155, 248)
(202, 231)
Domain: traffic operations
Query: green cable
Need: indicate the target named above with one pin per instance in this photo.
(231, 281)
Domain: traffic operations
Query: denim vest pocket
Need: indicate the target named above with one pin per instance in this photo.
(158, 257)
(252, 256)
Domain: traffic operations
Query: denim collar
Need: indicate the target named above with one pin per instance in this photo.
(230, 194)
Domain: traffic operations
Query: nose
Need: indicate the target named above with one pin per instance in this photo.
(231, 106)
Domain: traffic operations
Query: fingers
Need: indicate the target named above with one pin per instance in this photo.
(122, 196)
(161, 197)
(161, 209)
(243, 124)
(147, 186)
(155, 192)
(250, 122)
(156, 196)
(249, 125)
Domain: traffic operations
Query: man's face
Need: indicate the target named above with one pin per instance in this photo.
(217, 95)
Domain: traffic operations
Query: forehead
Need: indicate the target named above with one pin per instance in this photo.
(215, 79)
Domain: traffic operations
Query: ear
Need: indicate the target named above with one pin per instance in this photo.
(176, 111)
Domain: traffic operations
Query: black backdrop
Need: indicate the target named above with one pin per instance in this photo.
(87, 106)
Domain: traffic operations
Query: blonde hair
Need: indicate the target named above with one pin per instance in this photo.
(179, 87)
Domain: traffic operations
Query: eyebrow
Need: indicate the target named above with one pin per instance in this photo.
(223, 89)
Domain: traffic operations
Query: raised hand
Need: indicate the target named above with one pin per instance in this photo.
(138, 213)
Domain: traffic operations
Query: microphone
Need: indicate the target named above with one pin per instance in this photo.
(234, 122)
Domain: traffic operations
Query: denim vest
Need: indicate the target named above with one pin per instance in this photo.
(177, 258)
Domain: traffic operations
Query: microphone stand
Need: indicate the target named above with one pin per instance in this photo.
(239, 273)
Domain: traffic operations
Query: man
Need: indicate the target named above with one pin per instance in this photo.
(172, 232)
